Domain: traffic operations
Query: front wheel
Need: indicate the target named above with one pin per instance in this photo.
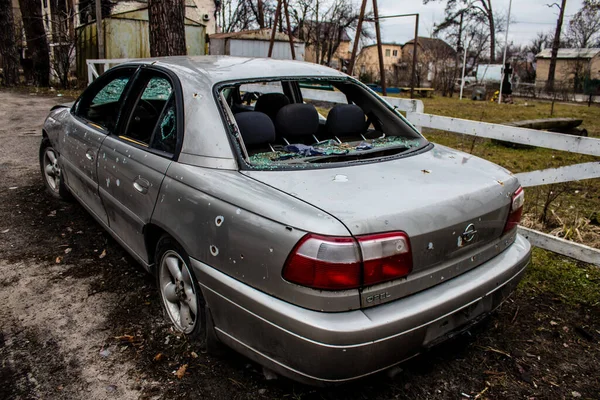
(181, 297)
(51, 172)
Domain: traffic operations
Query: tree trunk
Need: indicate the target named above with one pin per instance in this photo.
(37, 43)
(8, 44)
(492, 33)
(62, 40)
(555, 46)
(261, 14)
(167, 29)
(459, 45)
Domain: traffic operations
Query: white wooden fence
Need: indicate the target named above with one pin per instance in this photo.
(107, 63)
(415, 115)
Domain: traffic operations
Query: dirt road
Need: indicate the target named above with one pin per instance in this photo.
(80, 320)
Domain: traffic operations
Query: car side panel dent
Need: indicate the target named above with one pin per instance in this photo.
(238, 239)
(56, 125)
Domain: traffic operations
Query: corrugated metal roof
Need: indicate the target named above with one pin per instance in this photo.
(256, 34)
(570, 53)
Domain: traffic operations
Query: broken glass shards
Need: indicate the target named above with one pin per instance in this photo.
(283, 155)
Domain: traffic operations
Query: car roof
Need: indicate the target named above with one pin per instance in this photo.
(225, 68)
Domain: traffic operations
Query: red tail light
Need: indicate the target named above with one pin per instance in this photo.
(332, 263)
(516, 210)
(386, 256)
(323, 262)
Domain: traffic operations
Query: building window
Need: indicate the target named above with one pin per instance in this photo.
(387, 52)
(395, 53)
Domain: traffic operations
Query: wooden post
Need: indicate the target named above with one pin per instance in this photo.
(274, 28)
(413, 79)
(99, 29)
(379, 48)
(505, 48)
(357, 37)
(289, 26)
(71, 17)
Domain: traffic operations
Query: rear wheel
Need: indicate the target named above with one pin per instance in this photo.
(181, 297)
(51, 172)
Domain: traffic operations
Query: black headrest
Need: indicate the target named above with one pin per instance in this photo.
(255, 127)
(346, 119)
(271, 103)
(297, 120)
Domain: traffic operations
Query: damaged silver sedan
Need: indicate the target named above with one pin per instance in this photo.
(324, 241)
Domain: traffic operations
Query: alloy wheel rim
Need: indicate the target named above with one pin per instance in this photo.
(51, 169)
(178, 292)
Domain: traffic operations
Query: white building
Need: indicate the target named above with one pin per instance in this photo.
(255, 43)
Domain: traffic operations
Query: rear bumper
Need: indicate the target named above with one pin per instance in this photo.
(318, 348)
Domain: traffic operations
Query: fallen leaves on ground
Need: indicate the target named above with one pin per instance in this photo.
(181, 371)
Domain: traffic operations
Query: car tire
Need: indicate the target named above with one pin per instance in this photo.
(51, 172)
(181, 297)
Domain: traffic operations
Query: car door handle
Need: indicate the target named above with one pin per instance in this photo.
(141, 185)
(89, 155)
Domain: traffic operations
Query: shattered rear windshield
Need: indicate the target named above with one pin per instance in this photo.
(308, 123)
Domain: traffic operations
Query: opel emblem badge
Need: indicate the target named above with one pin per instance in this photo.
(469, 234)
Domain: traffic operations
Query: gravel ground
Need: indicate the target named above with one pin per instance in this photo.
(80, 319)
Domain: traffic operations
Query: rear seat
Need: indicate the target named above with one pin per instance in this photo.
(346, 120)
(271, 103)
(256, 128)
(296, 122)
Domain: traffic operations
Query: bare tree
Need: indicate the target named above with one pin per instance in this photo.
(476, 11)
(167, 29)
(323, 25)
(239, 15)
(539, 43)
(584, 27)
(555, 44)
(8, 45)
(37, 43)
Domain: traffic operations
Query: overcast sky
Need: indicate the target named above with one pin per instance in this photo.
(529, 16)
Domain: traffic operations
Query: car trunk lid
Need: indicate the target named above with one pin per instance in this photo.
(453, 207)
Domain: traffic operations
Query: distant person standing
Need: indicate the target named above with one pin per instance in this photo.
(506, 85)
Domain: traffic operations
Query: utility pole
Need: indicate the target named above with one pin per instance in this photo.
(357, 37)
(274, 28)
(289, 26)
(279, 20)
(379, 48)
(464, 66)
(99, 29)
(555, 46)
(376, 19)
(413, 78)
